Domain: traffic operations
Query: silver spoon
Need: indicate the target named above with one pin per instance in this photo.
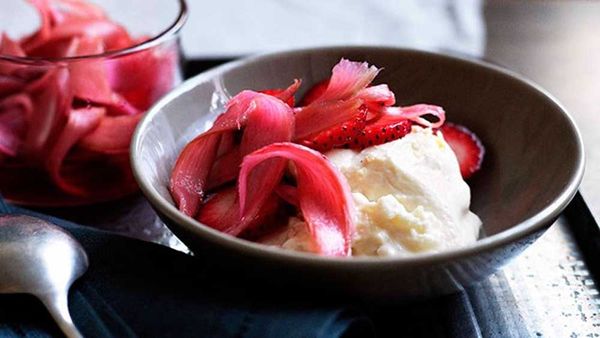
(41, 259)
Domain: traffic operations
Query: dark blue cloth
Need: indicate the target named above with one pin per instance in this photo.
(134, 288)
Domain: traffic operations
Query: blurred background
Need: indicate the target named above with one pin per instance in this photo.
(231, 28)
(236, 28)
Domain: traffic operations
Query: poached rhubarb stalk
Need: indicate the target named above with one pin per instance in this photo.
(323, 195)
(80, 122)
(334, 101)
(253, 112)
(80, 111)
(347, 79)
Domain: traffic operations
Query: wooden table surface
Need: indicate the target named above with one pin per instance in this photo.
(556, 44)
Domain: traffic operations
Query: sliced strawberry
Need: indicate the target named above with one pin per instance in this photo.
(338, 136)
(466, 146)
(358, 134)
(320, 116)
(314, 93)
(381, 131)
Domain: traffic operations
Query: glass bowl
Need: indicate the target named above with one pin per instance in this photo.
(66, 121)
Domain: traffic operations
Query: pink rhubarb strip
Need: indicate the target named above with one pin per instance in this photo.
(323, 195)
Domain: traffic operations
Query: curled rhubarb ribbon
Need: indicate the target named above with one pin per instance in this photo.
(347, 79)
(253, 111)
(323, 194)
(16, 110)
(80, 122)
(416, 114)
(82, 111)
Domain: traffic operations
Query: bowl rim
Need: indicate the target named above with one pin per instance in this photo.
(166, 34)
(518, 231)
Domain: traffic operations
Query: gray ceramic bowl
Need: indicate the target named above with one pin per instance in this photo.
(533, 166)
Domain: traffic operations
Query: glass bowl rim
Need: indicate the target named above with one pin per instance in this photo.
(155, 40)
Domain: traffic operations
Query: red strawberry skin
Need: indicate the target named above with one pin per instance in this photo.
(381, 132)
(358, 134)
(338, 136)
(466, 146)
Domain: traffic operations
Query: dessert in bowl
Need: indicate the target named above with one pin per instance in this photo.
(358, 175)
(519, 191)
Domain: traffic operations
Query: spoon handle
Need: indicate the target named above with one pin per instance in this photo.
(59, 310)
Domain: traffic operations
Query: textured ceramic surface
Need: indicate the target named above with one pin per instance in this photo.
(533, 166)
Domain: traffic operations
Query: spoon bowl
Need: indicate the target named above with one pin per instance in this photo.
(41, 259)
